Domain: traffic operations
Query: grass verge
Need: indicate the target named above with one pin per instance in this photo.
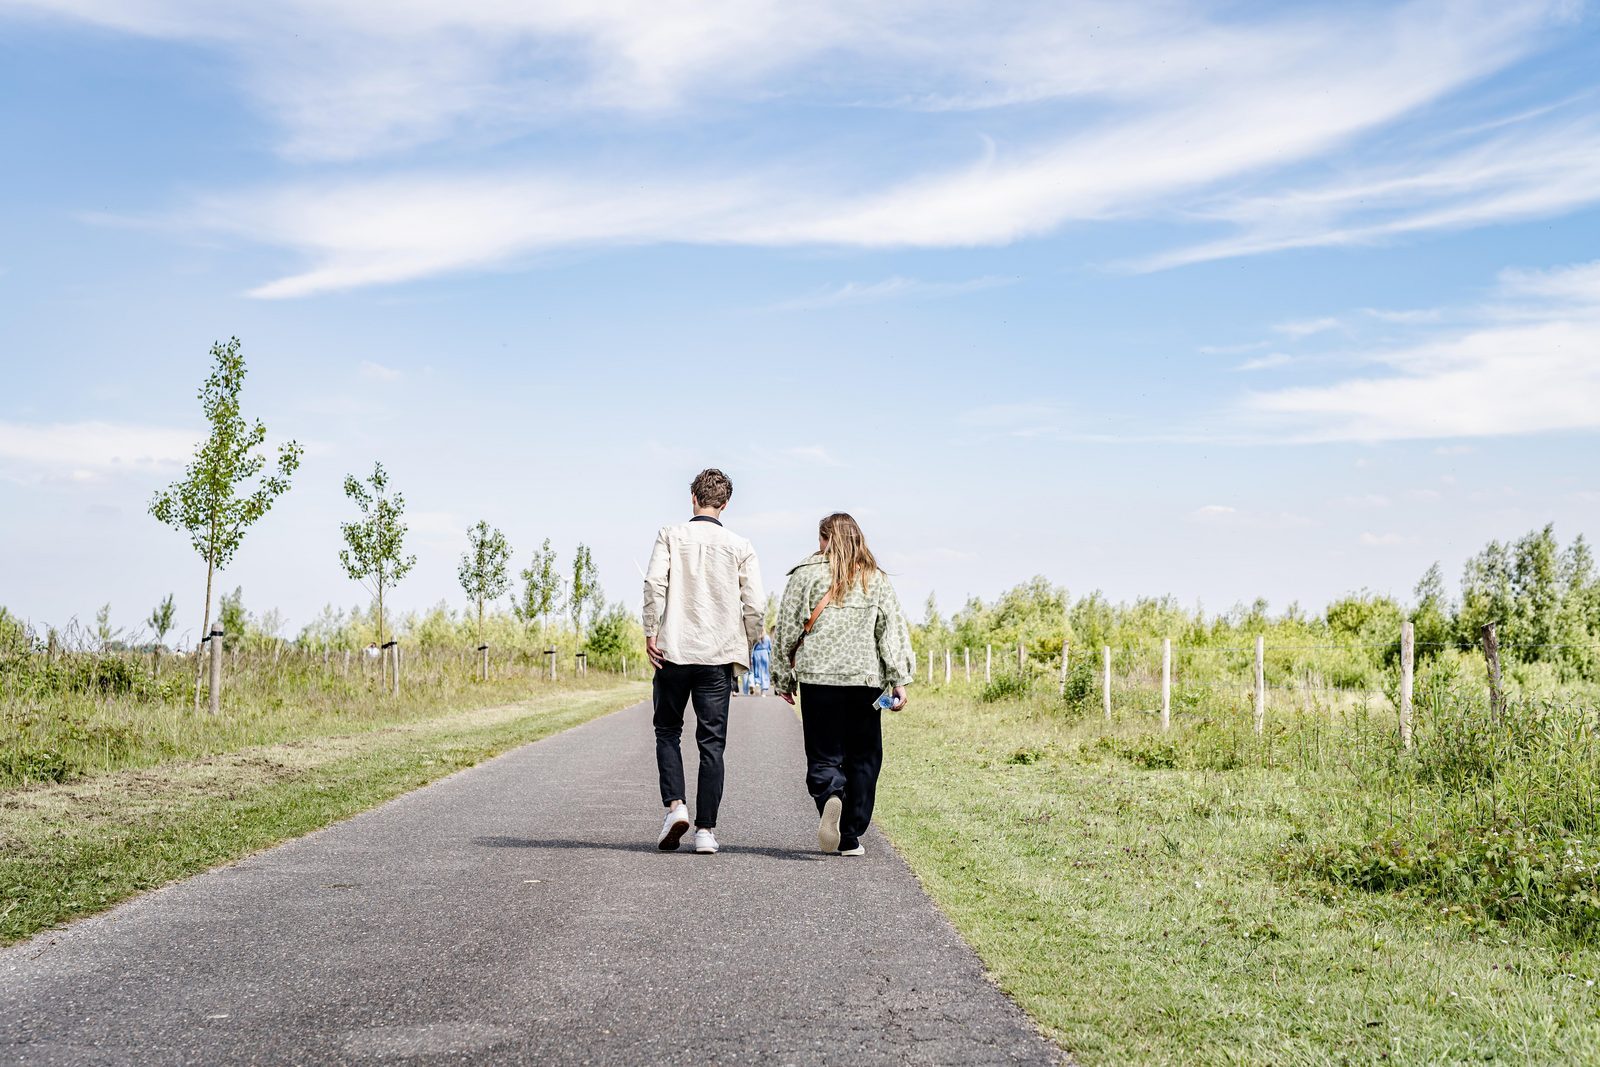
(1146, 914)
(67, 850)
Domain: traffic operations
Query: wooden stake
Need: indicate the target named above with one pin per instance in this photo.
(216, 670)
(1408, 655)
(1105, 691)
(966, 660)
(988, 663)
(947, 666)
(1491, 653)
(1022, 660)
(1166, 683)
(1261, 684)
(1063, 668)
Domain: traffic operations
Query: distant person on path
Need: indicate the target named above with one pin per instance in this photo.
(760, 677)
(841, 640)
(702, 613)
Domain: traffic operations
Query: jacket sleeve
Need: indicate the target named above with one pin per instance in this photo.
(752, 598)
(792, 613)
(894, 640)
(655, 585)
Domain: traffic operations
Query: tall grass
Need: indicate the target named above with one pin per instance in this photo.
(71, 714)
(1489, 818)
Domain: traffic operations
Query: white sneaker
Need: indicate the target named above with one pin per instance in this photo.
(828, 828)
(705, 842)
(673, 829)
(857, 851)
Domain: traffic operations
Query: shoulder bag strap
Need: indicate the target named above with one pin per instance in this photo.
(795, 651)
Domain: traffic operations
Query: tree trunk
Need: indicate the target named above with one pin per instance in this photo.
(383, 657)
(205, 629)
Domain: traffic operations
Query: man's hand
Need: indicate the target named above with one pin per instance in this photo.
(897, 699)
(786, 696)
(654, 653)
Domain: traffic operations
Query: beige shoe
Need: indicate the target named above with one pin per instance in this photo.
(828, 828)
(857, 851)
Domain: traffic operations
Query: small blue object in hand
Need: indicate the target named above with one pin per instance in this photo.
(886, 701)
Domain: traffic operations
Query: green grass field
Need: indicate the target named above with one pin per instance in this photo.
(74, 847)
(1148, 902)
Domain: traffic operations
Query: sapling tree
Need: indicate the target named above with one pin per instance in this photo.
(160, 623)
(374, 547)
(105, 634)
(483, 567)
(585, 584)
(214, 502)
(541, 588)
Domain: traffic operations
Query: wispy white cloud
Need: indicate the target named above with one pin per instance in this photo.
(1404, 316)
(1525, 364)
(895, 288)
(1541, 170)
(1306, 327)
(377, 372)
(1226, 516)
(1234, 98)
(1267, 362)
(1385, 540)
(84, 451)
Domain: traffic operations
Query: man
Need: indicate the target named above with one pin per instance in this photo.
(702, 614)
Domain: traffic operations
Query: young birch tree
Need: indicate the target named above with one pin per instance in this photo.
(373, 552)
(213, 502)
(541, 590)
(483, 567)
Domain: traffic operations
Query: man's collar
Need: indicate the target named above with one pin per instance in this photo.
(706, 518)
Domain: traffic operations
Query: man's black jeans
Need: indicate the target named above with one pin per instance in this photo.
(710, 686)
(844, 751)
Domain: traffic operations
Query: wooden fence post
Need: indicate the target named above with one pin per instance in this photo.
(1491, 653)
(346, 673)
(216, 670)
(396, 690)
(1408, 656)
(930, 666)
(1105, 690)
(1063, 668)
(947, 666)
(988, 663)
(483, 668)
(966, 660)
(1166, 683)
(550, 657)
(1022, 659)
(1261, 684)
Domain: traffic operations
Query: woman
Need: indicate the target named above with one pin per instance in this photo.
(841, 640)
(760, 677)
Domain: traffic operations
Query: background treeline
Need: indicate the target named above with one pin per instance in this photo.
(1544, 599)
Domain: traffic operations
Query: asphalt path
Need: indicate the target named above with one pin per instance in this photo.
(519, 912)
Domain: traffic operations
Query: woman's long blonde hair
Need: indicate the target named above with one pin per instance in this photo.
(849, 558)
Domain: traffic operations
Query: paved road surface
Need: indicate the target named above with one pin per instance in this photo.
(518, 912)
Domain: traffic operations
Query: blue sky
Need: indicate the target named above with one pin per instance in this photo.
(1213, 300)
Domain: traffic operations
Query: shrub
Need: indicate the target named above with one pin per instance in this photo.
(1005, 687)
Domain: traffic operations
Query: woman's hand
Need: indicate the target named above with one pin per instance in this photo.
(897, 699)
(786, 696)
